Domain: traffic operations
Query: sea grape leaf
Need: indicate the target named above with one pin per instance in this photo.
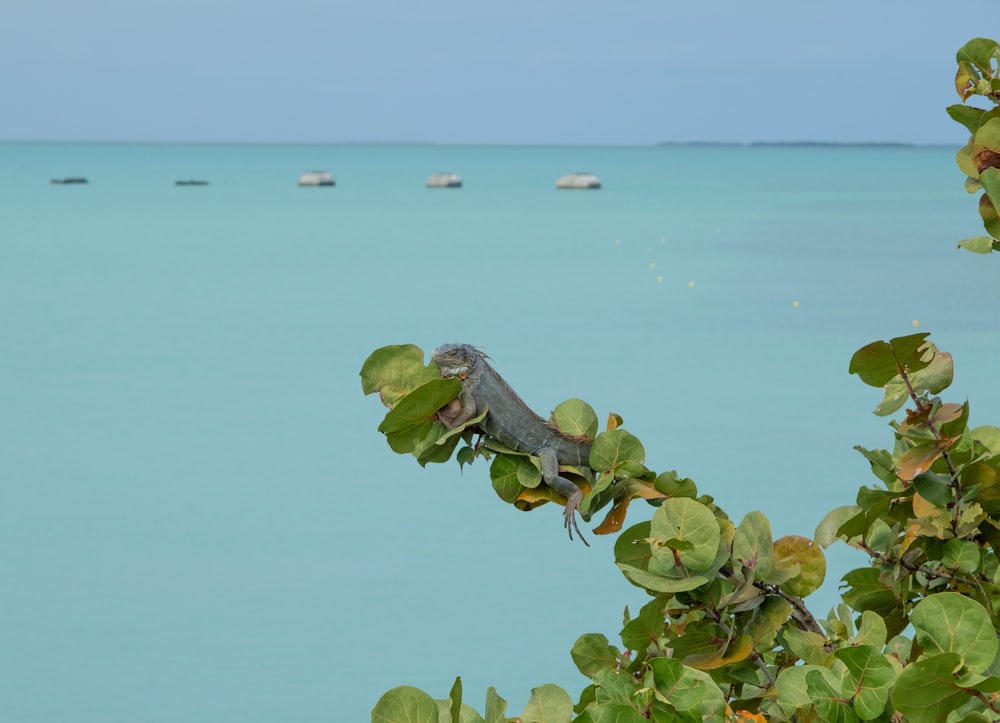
(870, 676)
(871, 630)
(980, 52)
(618, 452)
(866, 591)
(978, 244)
(632, 547)
(613, 687)
(827, 532)
(793, 691)
(952, 623)
(503, 473)
(988, 436)
(933, 487)
(616, 713)
(686, 520)
(918, 459)
(645, 628)
(576, 418)
(673, 486)
(752, 545)
(655, 583)
(687, 690)
(824, 689)
(414, 415)
(766, 620)
(801, 551)
(592, 652)
(394, 371)
(405, 704)
(877, 363)
(962, 555)
(548, 704)
(723, 654)
(496, 707)
(926, 692)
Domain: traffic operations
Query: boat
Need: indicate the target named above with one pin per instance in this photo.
(580, 180)
(191, 182)
(72, 180)
(444, 180)
(316, 178)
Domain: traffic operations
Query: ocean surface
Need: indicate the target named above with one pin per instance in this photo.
(199, 520)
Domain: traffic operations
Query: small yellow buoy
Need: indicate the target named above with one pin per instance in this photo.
(652, 264)
(795, 304)
(659, 279)
(691, 284)
(915, 323)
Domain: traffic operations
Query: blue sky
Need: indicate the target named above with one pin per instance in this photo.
(462, 71)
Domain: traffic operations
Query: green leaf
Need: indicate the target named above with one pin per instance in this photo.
(870, 675)
(687, 690)
(395, 371)
(496, 707)
(793, 691)
(934, 378)
(503, 474)
(673, 486)
(410, 425)
(405, 704)
(617, 451)
(455, 701)
(645, 628)
(632, 546)
(952, 623)
(980, 53)
(961, 555)
(827, 530)
(933, 487)
(871, 630)
(657, 583)
(808, 556)
(878, 362)
(766, 621)
(978, 244)
(752, 545)
(576, 418)
(926, 692)
(615, 687)
(548, 704)
(685, 520)
(617, 713)
(824, 689)
(592, 652)
(867, 592)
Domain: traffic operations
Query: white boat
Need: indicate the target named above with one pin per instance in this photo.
(581, 180)
(444, 180)
(316, 178)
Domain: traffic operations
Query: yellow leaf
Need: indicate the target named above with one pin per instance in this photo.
(921, 507)
(615, 518)
(736, 651)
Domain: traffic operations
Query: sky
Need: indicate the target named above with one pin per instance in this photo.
(636, 72)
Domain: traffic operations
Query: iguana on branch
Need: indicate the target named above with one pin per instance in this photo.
(511, 422)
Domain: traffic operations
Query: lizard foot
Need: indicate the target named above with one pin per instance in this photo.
(572, 505)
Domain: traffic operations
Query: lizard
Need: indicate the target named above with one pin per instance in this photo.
(511, 422)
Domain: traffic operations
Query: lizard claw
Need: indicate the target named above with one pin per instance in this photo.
(570, 520)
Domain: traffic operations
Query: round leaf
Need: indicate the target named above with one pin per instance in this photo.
(576, 418)
(405, 705)
(801, 551)
(685, 520)
(952, 623)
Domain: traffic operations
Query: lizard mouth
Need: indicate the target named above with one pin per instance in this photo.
(460, 371)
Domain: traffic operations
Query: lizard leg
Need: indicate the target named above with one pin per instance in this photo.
(572, 493)
(458, 411)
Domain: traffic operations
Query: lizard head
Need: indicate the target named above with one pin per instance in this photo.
(456, 360)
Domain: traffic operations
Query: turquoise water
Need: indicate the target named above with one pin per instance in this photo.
(200, 521)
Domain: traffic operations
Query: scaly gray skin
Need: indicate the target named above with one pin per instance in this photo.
(510, 421)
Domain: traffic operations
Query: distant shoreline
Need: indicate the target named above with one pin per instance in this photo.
(429, 144)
